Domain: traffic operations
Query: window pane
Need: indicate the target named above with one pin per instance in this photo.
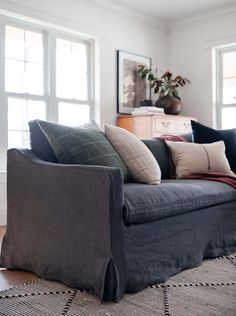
(18, 139)
(80, 90)
(79, 57)
(17, 114)
(63, 84)
(34, 47)
(23, 77)
(229, 91)
(71, 76)
(63, 53)
(33, 82)
(14, 43)
(229, 64)
(71, 84)
(36, 110)
(228, 117)
(14, 76)
(24, 61)
(21, 111)
(73, 114)
(24, 45)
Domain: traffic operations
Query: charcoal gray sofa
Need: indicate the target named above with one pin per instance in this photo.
(83, 226)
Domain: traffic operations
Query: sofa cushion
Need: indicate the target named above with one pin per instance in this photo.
(145, 203)
(205, 134)
(136, 156)
(85, 145)
(190, 158)
(39, 143)
(161, 154)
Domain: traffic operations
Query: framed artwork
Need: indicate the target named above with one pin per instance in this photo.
(131, 88)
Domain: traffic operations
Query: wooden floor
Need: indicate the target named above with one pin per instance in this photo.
(9, 278)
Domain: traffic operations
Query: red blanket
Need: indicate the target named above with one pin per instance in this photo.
(211, 176)
(173, 138)
(215, 176)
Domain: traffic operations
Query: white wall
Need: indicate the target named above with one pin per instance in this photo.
(111, 30)
(190, 49)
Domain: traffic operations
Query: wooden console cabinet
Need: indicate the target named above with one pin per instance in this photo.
(153, 125)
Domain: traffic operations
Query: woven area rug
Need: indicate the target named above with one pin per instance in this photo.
(208, 290)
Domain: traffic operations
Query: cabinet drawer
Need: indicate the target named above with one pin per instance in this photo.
(164, 126)
(184, 127)
(154, 125)
(141, 126)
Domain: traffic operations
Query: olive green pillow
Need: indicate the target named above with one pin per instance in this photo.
(85, 145)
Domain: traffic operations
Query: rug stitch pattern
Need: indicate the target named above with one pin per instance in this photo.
(73, 291)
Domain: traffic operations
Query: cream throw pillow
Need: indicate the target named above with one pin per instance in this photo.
(192, 158)
(135, 155)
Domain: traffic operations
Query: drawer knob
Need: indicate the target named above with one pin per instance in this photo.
(165, 124)
(186, 124)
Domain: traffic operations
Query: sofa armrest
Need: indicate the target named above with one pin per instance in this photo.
(65, 222)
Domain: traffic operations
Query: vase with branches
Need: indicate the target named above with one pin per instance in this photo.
(166, 86)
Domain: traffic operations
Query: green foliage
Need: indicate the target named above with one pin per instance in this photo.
(166, 84)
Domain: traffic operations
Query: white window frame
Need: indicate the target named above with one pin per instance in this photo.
(219, 83)
(28, 96)
(50, 34)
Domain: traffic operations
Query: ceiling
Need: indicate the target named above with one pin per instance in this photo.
(169, 10)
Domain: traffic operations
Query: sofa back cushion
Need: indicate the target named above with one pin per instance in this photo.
(205, 134)
(162, 154)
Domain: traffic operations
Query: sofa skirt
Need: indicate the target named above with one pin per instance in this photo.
(160, 249)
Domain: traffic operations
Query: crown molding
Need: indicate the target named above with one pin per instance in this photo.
(119, 11)
(101, 6)
(34, 15)
(204, 17)
(130, 14)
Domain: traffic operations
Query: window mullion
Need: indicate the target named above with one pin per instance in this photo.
(231, 105)
(75, 101)
(26, 96)
(52, 109)
(219, 88)
(3, 99)
(222, 108)
(46, 71)
(91, 87)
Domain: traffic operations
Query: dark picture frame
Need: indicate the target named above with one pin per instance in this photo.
(131, 88)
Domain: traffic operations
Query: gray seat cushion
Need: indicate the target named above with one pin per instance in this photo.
(145, 203)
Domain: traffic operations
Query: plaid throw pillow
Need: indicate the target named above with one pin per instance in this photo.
(85, 145)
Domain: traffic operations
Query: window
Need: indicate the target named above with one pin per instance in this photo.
(226, 88)
(24, 82)
(71, 69)
(45, 74)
